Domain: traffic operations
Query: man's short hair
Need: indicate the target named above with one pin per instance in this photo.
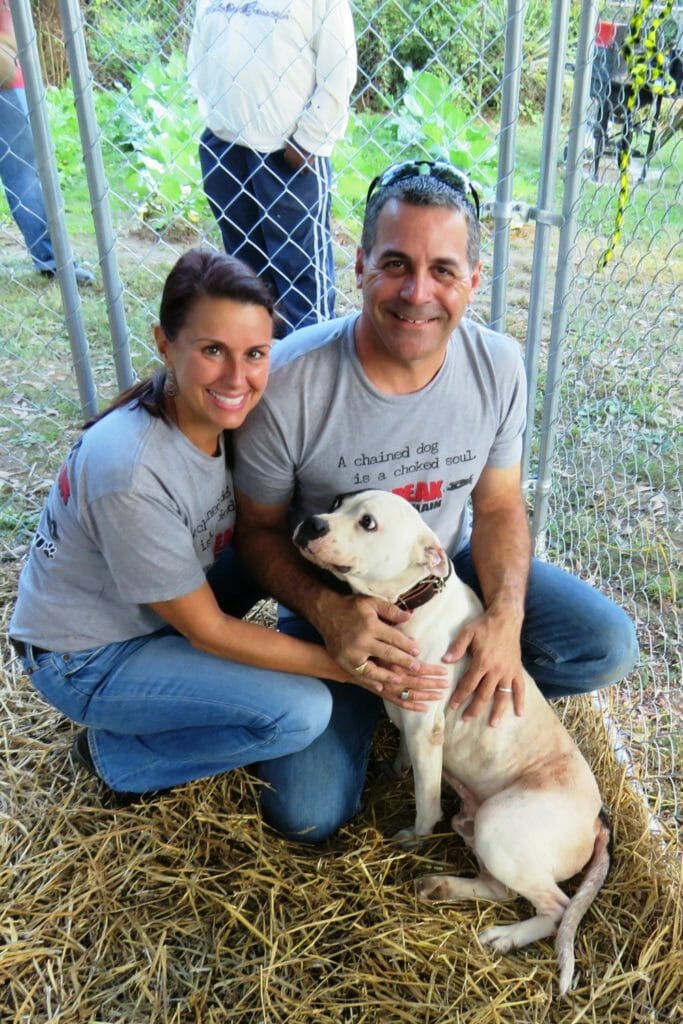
(422, 190)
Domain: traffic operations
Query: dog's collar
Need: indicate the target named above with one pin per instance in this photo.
(423, 591)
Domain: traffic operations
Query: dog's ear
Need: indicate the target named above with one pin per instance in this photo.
(431, 554)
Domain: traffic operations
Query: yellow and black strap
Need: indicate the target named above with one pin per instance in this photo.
(645, 62)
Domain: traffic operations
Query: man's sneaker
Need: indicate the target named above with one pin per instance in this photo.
(83, 276)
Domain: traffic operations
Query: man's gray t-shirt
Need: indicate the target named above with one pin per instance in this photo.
(137, 515)
(323, 428)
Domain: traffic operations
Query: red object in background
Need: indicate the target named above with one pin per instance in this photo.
(605, 33)
(7, 26)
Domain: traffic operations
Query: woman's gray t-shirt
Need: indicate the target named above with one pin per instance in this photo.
(137, 515)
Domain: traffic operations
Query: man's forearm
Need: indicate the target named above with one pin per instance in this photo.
(273, 561)
(501, 553)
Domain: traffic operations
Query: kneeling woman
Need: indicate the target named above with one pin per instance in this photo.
(127, 618)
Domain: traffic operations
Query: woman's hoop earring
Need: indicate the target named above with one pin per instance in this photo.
(170, 384)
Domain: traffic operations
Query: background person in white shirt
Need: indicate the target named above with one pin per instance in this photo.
(273, 80)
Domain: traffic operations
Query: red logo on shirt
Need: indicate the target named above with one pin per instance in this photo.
(221, 541)
(63, 484)
(424, 490)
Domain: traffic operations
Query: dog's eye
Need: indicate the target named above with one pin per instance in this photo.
(367, 522)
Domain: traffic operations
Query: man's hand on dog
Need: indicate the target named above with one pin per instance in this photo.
(360, 634)
(495, 669)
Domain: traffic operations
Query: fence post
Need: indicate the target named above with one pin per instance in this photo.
(54, 205)
(81, 83)
(544, 216)
(558, 328)
(509, 113)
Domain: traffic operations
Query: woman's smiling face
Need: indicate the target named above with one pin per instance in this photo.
(220, 358)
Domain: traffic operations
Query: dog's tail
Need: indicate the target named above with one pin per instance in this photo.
(596, 872)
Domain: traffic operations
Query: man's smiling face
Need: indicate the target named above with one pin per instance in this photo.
(416, 285)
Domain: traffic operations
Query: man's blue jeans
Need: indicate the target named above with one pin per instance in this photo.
(160, 713)
(20, 177)
(574, 640)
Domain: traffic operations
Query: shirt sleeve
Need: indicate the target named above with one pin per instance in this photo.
(265, 464)
(147, 545)
(506, 449)
(324, 119)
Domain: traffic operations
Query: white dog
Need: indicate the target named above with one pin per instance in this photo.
(530, 806)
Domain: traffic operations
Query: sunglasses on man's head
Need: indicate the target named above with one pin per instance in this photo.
(439, 169)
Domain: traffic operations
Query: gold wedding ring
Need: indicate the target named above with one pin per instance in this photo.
(362, 668)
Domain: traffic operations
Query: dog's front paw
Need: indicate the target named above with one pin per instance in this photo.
(433, 887)
(498, 937)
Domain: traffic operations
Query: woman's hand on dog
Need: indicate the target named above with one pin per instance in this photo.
(424, 686)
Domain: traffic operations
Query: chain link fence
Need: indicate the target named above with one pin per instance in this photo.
(613, 512)
(531, 102)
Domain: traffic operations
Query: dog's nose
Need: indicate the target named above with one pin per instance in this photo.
(310, 529)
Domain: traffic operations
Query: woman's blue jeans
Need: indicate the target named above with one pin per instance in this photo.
(574, 640)
(160, 713)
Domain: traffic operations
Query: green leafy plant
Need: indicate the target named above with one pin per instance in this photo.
(67, 140)
(122, 35)
(369, 145)
(425, 123)
(442, 128)
(165, 128)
